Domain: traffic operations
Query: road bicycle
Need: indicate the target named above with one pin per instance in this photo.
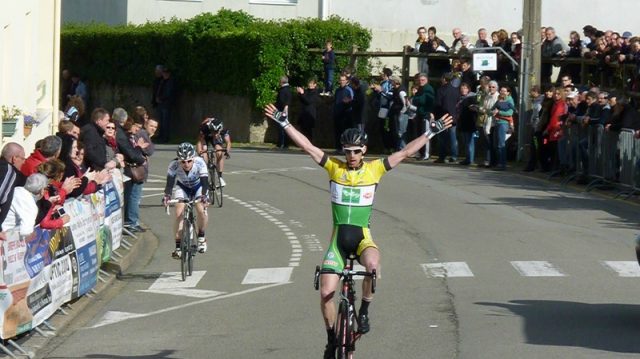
(188, 241)
(215, 187)
(346, 334)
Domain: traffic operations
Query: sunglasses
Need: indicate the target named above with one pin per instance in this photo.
(184, 162)
(356, 151)
(111, 127)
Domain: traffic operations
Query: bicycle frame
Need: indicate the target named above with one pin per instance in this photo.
(215, 195)
(188, 244)
(346, 315)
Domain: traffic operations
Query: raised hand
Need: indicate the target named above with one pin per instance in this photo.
(439, 125)
(71, 183)
(278, 116)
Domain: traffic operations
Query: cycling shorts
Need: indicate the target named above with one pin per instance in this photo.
(346, 240)
(183, 192)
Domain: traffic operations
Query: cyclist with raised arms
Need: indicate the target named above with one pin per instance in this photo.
(352, 185)
(189, 173)
(213, 133)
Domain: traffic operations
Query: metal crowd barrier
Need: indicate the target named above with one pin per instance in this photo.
(629, 149)
(604, 156)
(575, 133)
(613, 158)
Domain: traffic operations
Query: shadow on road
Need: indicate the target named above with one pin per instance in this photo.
(161, 354)
(607, 326)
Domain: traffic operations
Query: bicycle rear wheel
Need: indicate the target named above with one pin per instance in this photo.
(217, 192)
(344, 331)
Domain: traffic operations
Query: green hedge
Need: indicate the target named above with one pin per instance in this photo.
(230, 52)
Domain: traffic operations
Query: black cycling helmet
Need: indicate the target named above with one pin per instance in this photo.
(215, 124)
(186, 151)
(354, 137)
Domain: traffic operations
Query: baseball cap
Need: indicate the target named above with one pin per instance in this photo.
(573, 93)
(627, 34)
(396, 79)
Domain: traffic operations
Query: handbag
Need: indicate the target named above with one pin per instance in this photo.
(136, 172)
(383, 112)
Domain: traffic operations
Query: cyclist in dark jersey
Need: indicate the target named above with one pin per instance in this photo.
(352, 186)
(213, 133)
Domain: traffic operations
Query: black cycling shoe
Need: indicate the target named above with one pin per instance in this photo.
(330, 351)
(363, 324)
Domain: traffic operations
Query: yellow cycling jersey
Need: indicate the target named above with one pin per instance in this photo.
(353, 190)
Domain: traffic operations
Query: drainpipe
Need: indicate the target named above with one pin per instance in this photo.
(56, 65)
(325, 9)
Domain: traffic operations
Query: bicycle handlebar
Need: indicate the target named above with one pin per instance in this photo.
(174, 201)
(345, 272)
(215, 150)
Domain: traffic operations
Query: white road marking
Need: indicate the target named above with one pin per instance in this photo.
(185, 292)
(536, 269)
(125, 316)
(447, 270)
(268, 275)
(623, 268)
(152, 195)
(153, 189)
(173, 280)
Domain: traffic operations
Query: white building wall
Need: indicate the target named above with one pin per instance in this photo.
(393, 22)
(28, 63)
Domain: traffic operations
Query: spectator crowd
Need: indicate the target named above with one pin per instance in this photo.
(483, 104)
(78, 160)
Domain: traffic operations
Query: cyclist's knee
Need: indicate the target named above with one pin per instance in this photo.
(326, 294)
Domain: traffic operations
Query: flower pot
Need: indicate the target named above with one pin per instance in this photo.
(8, 127)
(27, 130)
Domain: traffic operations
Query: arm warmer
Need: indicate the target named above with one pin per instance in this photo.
(171, 180)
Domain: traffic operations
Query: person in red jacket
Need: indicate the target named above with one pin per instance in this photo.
(553, 132)
(49, 148)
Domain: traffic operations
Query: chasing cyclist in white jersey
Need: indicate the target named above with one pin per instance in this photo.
(189, 173)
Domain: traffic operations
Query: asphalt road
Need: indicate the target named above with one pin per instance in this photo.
(475, 264)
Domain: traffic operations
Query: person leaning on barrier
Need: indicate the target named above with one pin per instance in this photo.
(57, 189)
(623, 116)
(91, 181)
(24, 209)
(10, 163)
(48, 148)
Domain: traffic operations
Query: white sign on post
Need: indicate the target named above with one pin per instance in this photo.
(484, 61)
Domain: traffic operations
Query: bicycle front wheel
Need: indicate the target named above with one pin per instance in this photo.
(192, 251)
(344, 330)
(185, 247)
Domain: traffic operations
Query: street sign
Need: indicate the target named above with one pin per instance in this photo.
(483, 61)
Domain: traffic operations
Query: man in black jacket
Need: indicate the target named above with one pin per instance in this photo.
(95, 146)
(282, 103)
(309, 99)
(446, 102)
(131, 154)
(13, 157)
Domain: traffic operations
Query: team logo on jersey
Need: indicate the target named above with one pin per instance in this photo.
(350, 195)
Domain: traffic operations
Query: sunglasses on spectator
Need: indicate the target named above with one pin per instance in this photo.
(111, 127)
(184, 162)
(352, 151)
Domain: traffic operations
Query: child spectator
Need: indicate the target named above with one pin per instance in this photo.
(329, 60)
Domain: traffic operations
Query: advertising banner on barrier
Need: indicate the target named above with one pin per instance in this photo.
(44, 270)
